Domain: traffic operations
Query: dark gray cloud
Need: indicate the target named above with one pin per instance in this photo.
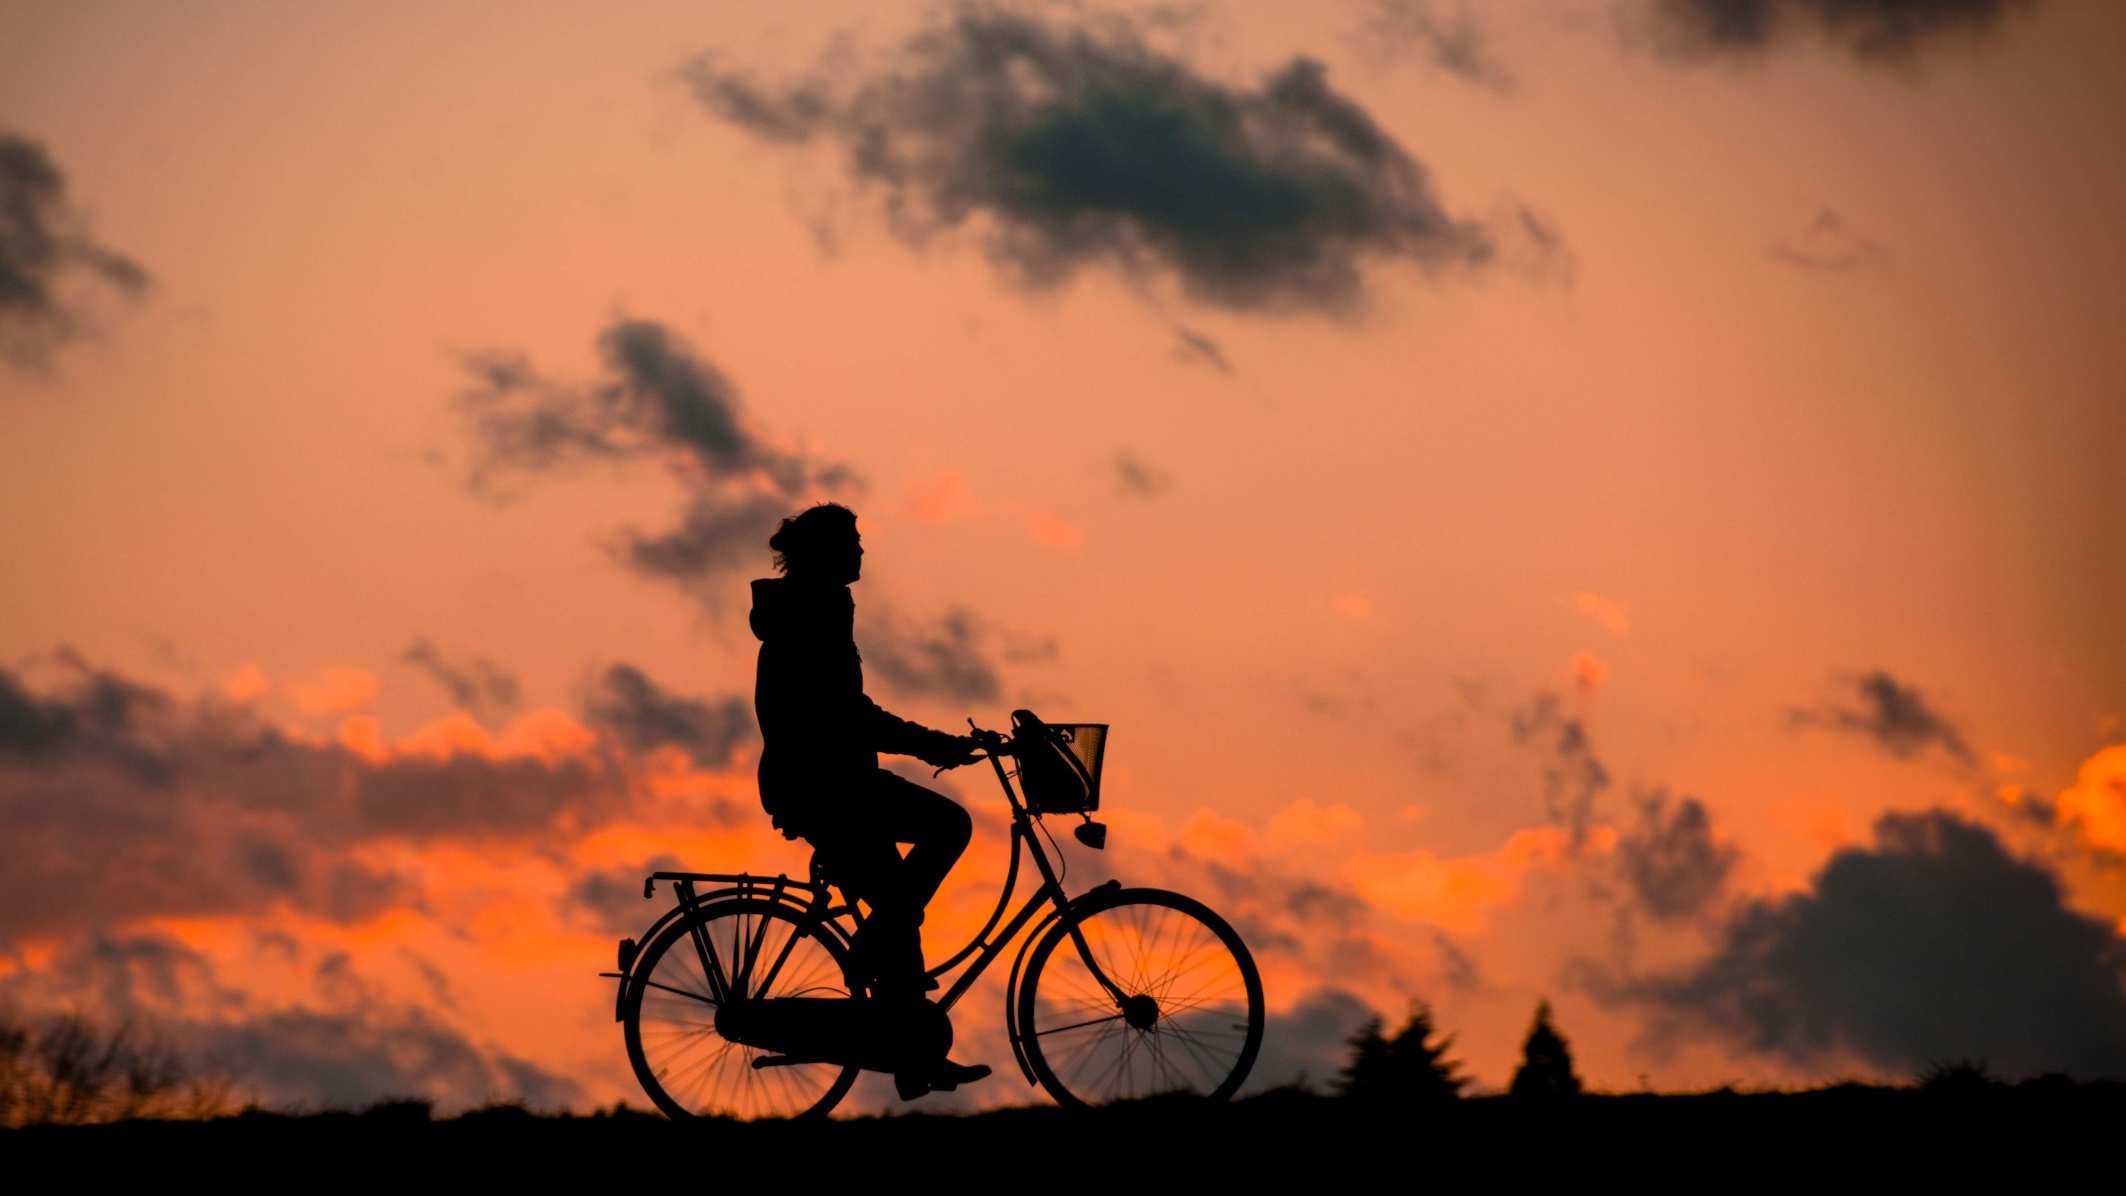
(1193, 346)
(1669, 859)
(657, 398)
(1891, 714)
(1082, 147)
(96, 713)
(1932, 944)
(234, 816)
(1456, 967)
(474, 683)
(1444, 37)
(346, 1047)
(1829, 245)
(715, 532)
(1572, 775)
(1138, 478)
(1875, 30)
(656, 395)
(43, 252)
(947, 658)
(611, 901)
(643, 715)
(1310, 1044)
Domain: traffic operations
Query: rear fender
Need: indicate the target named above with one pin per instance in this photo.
(769, 892)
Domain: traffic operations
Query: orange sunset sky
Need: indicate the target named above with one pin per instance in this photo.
(1610, 500)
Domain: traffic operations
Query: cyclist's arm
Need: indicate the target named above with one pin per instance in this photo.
(897, 736)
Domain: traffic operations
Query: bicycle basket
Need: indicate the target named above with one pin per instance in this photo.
(1059, 763)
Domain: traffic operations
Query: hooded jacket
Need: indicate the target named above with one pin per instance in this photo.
(820, 736)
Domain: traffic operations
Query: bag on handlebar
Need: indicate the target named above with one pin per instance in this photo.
(1059, 763)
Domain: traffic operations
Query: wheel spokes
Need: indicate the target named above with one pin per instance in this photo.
(758, 955)
(1201, 1035)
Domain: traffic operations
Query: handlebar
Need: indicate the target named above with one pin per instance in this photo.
(992, 743)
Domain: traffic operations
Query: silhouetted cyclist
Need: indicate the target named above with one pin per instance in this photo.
(819, 774)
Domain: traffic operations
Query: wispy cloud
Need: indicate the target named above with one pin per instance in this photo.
(1890, 714)
(44, 251)
(1084, 146)
(1881, 31)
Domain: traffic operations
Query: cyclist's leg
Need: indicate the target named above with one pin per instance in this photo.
(861, 849)
(937, 828)
(867, 865)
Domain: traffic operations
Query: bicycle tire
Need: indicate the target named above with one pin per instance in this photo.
(1214, 1048)
(682, 1022)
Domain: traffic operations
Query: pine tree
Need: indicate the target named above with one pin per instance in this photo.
(1546, 1062)
(1365, 1077)
(1408, 1068)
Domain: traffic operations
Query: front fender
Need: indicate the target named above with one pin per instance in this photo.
(1011, 985)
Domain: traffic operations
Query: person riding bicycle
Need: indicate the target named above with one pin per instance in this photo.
(820, 778)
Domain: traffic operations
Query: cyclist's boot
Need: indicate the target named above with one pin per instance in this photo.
(950, 1075)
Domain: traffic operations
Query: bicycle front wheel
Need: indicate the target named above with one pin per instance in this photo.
(686, 1066)
(1180, 1009)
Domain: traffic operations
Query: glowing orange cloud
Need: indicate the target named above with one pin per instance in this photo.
(336, 691)
(943, 498)
(1609, 614)
(2096, 802)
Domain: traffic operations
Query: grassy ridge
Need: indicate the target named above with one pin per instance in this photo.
(1721, 1138)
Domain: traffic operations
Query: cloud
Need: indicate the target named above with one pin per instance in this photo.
(1572, 776)
(1424, 30)
(1670, 861)
(2096, 803)
(1932, 944)
(657, 398)
(44, 252)
(1138, 478)
(98, 713)
(948, 658)
(1193, 346)
(644, 716)
(1884, 31)
(611, 901)
(1085, 147)
(657, 394)
(475, 683)
(336, 691)
(715, 532)
(205, 810)
(1309, 1044)
(1609, 613)
(1893, 715)
(341, 1046)
(1829, 245)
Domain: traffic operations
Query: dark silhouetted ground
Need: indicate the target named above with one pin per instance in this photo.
(1840, 1137)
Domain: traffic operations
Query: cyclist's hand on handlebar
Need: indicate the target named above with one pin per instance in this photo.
(964, 749)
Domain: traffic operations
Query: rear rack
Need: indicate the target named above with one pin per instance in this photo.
(684, 882)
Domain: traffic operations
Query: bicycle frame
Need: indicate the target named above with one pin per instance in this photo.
(816, 903)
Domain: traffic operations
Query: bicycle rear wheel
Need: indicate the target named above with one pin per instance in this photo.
(683, 1063)
(1189, 1016)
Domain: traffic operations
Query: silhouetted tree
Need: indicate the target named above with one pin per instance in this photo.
(1408, 1068)
(1546, 1062)
(70, 1070)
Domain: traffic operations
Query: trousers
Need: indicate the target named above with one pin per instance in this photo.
(858, 848)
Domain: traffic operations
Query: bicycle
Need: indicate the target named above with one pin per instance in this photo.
(741, 999)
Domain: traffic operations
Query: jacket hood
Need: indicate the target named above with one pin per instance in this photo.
(781, 606)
